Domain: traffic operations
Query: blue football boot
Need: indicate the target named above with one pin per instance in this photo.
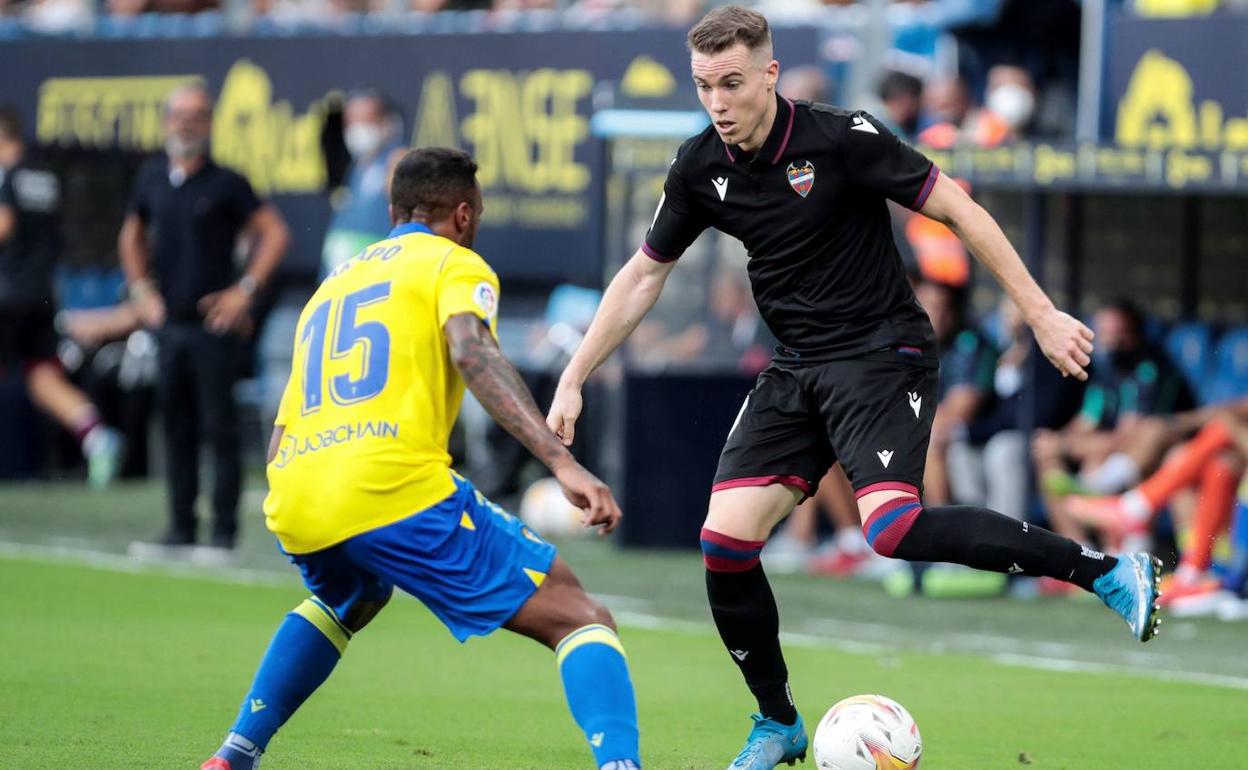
(1131, 590)
(771, 743)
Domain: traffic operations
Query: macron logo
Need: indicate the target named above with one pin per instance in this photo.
(858, 124)
(740, 654)
(916, 402)
(1014, 569)
(886, 456)
(721, 186)
(596, 740)
(257, 705)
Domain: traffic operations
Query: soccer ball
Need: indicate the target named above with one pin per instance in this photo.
(548, 513)
(867, 732)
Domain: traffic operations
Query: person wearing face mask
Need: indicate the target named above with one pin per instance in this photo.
(1131, 381)
(177, 247)
(372, 133)
(1009, 105)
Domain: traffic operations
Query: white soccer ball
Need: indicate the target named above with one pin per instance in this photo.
(867, 732)
(548, 513)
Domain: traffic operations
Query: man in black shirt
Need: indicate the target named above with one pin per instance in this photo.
(804, 187)
(177, 247)
(30, 243)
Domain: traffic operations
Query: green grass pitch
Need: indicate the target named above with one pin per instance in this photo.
(102, 668)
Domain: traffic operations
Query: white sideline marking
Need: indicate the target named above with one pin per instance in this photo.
(635, 618)
(1166, 675)
(122, 563)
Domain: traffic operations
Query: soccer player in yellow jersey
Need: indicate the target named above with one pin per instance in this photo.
(362, 497)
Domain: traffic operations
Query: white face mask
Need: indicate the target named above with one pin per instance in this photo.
(1013, 103)
(363, 139)
(185, 149)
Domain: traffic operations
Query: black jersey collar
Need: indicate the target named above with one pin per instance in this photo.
(777, 140)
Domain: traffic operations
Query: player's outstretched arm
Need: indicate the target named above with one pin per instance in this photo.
(501, 390)
(1066, 342)
(629, 296)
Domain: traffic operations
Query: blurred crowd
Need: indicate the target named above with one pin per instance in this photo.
(60, 16)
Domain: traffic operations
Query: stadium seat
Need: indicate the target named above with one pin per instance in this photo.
(1229, 375)
(1190, 346)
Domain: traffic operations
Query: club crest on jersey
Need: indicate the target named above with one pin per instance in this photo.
(801, 177)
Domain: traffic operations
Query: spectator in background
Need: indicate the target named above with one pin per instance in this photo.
(734, 334)
(1210, 465)
(30, 242)
(967, 362)
(177, 248)
(946, 105)
(373, 134)
(1009, 106)
(58, 16)
(1129, 381)
(136, 7)
(987, 457)
(731, 335)
(805, 83)
(902, 97)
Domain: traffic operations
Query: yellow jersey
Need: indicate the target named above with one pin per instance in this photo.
(373, 392)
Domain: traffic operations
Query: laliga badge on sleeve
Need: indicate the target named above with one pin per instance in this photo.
(801, 177)
(485, 298)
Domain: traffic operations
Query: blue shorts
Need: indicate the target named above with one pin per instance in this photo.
(470, 562)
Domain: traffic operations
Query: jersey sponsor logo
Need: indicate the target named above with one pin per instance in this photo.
(486, 298)
(886, 456)
(740, 654)
(721, 186)
(801, 177)
(916, 403)
(859, 124)
(294, 446)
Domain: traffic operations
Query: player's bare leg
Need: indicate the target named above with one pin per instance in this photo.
(59, 398)
(737, 524)
(591, 662)
(852, 554)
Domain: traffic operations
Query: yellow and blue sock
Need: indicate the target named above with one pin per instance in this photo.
(600, 694)
(301, 656)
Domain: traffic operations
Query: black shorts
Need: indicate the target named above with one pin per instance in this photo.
(872, 413)
(27, 338)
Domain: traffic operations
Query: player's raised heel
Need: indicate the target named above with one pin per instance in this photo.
(772, 743)
(1132, 589)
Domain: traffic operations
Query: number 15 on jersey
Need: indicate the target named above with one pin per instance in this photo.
(337, 319)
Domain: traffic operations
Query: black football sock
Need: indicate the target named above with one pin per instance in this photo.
(984, 539)
(749, 623)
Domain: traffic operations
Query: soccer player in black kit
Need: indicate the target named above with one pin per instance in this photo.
(803, 186)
